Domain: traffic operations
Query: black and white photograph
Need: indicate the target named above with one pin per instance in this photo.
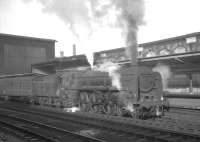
(99, 71)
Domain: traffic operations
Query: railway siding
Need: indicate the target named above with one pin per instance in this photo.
(105, 121)
(44, 131)
(84, 131)
(154, 129)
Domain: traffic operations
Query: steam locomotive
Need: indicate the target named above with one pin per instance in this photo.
(90, 91)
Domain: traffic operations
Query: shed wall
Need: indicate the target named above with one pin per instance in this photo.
(17, 54)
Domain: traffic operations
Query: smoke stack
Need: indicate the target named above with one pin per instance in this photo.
(61, 53)
(74, 49)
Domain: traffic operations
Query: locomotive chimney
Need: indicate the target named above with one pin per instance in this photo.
(74, 49)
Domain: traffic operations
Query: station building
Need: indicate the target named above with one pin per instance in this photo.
(178, 55)
(17, 53)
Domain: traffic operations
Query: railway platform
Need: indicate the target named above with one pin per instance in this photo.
(183, 100)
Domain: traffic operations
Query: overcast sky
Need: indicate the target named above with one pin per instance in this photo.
(163, 19)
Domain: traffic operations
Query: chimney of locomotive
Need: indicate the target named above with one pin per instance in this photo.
(74, 49)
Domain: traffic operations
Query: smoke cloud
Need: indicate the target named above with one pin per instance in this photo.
(129, 15)
(73, 12)
(112, 70)
(83, 15)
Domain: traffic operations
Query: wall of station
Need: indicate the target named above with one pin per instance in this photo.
(173, 46)
(185, 72)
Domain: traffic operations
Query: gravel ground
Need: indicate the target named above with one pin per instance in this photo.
(6, 137)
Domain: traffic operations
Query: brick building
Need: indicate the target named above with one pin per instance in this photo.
(17, 53)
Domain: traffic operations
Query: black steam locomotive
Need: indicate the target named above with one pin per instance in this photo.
(91, 91)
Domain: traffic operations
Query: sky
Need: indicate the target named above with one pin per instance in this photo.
(162, 19)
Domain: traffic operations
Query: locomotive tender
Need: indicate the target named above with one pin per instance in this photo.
(90, 91)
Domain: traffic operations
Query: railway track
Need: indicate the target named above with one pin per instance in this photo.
(128, 128)
(8, 134)
(107, 135)
(35, 131)
(21, 133)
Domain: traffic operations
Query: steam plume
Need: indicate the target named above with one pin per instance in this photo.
(81, 15)
(165, 73)
(129, 16)
(73, 12)
(112, 70)
(132, 16)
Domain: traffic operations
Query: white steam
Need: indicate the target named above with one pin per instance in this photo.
(84, 17)
(165, 73)
(73, 12)
(112, 70)
(128, 16)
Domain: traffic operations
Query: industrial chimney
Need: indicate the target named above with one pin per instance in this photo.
(61, 53)
(74, 49)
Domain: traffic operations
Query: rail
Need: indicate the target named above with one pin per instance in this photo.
(136, 128)
(43, 131)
